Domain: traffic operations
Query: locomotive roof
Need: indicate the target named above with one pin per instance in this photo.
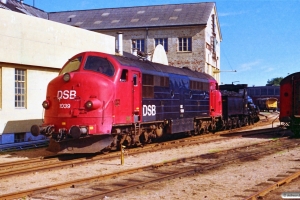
(290, 77)
(160, 69)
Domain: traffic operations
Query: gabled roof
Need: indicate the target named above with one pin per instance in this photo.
(189, 14)
(20, 7)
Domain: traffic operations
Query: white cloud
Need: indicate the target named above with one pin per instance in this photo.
(248, 66)
(230, 14)
(268, 69)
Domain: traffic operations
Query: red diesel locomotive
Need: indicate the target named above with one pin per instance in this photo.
(101, 101)
(290, 102)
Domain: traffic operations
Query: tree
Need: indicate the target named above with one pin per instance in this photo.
(274, 81)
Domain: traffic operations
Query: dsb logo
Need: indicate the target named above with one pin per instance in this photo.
(149, 110)
(66, 94)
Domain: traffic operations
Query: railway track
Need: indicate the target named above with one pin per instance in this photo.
(193, 165)
(35, 165)
(274, 183)
(167, 164)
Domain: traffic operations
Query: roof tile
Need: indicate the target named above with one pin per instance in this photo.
(142, 16)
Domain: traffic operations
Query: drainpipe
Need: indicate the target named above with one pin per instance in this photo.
(146, 45)
(120, 43)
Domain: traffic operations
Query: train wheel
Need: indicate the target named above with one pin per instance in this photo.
(221, 125)
(229, 124)
(238, 124)
(245, 122)
(212, 127)
(197, 130)
(235, 123)
(144, 137)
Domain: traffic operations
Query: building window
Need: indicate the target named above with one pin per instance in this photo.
(163, 42)
(19, 137)
(20, 88)
(184, 44)
(139, 44)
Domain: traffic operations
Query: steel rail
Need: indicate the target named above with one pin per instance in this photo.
(150, 167)
(187, 172)
(57, 164)
(274, 186)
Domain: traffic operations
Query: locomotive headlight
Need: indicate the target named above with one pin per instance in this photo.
(89, 104)
(46, 104)
(92, 104)
(67, 77)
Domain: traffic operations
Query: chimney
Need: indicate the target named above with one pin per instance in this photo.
(3, 1)
(120, 43)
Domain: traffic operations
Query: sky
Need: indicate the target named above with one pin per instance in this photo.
(260, 38)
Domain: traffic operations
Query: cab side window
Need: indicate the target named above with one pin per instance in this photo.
(98, 64)
(135, 80)
(124, 75)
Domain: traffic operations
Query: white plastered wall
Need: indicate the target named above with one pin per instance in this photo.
(213, 65)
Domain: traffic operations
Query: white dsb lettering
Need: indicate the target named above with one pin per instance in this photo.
(149, 110)
(66, 94)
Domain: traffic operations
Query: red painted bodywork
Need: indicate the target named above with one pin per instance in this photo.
(289, 97)
(285, 101)
(109, 94)
(215, 99)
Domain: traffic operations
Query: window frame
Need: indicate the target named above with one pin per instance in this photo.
(185, 44)
(20, 88)
(138, 44)
(100, 65)
(162, 41)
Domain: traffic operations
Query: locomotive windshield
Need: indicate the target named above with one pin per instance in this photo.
(98, 64)
(71, 66)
